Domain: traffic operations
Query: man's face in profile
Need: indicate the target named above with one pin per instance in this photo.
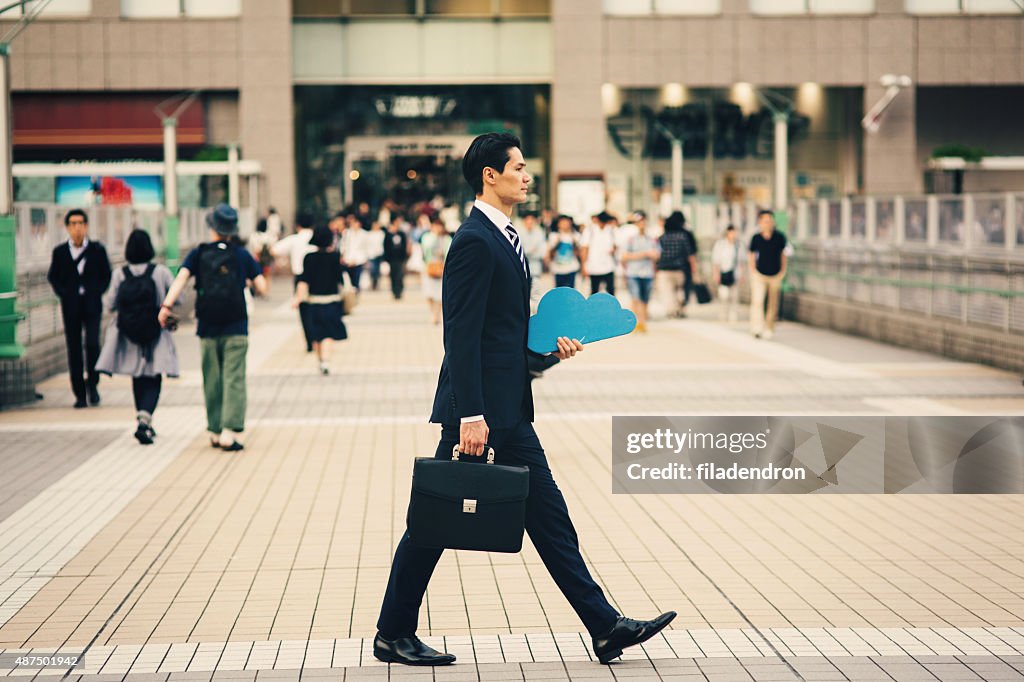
(513, 183)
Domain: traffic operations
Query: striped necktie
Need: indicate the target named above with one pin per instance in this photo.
(514, 236)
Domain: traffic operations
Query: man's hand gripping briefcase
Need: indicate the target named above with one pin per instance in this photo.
(463, 505)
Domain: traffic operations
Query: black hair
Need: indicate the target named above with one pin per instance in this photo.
(675, 222)
(261, 225)
(559, 218)
(489, 150)
(531, 214)
(764, 211)
(729, 228)
(322, 237)
(139, 247)
(304, 219)
(74, 212)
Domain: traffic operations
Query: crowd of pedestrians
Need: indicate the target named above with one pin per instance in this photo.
(332, 260)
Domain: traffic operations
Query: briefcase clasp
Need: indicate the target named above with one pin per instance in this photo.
(455, 455)
(469, 506)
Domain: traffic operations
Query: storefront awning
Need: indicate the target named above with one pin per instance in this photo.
(99, 120)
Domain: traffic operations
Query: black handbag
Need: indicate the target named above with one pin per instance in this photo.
(702, 292)
(464, 505)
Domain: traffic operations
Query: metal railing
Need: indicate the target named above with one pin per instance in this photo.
(975, 223)
(40, 228)
(958, 258)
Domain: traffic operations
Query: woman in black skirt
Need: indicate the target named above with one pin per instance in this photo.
(318, 286)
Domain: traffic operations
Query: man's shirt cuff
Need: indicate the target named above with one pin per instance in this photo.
(474, 418)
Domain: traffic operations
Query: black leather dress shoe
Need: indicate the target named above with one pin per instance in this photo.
(628, 632)
(94, 396)
(80, 403)
(408, 651)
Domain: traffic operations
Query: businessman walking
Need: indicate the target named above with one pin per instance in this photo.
(79, 274)
(483, 397)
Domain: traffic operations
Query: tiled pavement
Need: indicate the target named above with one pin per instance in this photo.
(181, 562)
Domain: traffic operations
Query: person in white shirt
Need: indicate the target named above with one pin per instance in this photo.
(598, 249)
(355, 249)
(259, 245)
(726, 273)
(294, 247)
(274, 225)
(563, 252)
(535, 248)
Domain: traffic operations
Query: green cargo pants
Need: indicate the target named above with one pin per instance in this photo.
(223, 359)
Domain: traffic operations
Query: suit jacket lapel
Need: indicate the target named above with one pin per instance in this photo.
(503, 243)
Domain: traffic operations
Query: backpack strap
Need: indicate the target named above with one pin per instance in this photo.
(149, 270)
(127, 272)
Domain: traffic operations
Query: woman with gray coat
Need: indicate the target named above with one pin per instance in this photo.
(133, 345)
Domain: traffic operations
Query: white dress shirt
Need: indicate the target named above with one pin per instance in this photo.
(76, 251)
(295, 247)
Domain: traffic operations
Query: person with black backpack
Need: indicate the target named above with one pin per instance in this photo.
(135, 344)
(223, 270)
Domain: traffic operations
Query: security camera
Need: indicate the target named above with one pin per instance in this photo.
(889, 80)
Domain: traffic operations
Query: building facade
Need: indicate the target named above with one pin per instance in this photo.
(347, 100)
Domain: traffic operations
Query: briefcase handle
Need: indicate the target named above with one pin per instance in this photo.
(490, 454)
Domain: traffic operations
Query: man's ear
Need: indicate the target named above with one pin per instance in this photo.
(489, 175)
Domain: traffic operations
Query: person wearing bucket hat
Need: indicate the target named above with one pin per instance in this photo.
(223, 270)
(223, 220)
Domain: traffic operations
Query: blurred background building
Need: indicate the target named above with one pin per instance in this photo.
(350, 100)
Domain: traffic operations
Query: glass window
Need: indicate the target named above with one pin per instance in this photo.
(213, 8)
(992, 7)
(62, 8)
(812, 6)
(842, 6)
(628, 7)
(688, 6)
(150, 8)
(778, 6)
(932, 6)
(464, 8)
(378, 7)
(519, 8)
(316, 8)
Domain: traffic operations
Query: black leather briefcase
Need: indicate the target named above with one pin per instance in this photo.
(464, 505)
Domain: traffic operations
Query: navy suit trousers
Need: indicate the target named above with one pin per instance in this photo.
(547, 523)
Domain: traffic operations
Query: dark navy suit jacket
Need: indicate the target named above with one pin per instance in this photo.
(65, 280)
(486, 304)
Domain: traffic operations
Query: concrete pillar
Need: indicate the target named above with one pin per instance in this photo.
(265, 102)
(578, 136)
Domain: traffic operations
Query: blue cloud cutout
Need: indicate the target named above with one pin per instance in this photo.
(565, 312)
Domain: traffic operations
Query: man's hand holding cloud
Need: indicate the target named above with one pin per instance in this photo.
(565, 320)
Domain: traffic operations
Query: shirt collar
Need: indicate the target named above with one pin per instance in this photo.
(85, 243)
(500, 220)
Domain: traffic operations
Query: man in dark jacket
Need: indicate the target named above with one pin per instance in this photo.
(79, 274)
(483, 397)
(397, 249)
